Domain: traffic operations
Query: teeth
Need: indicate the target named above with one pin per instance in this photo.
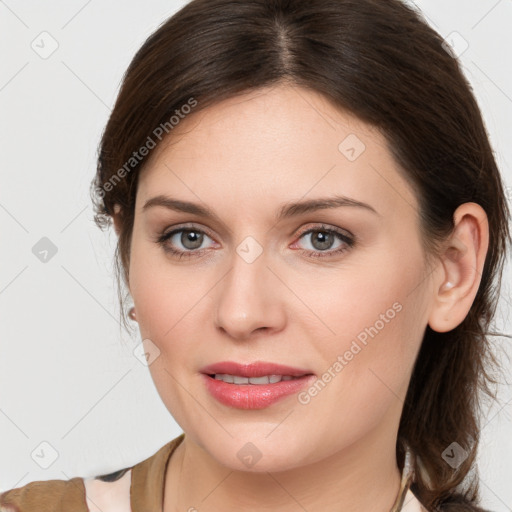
(259, 380)
(266, 379)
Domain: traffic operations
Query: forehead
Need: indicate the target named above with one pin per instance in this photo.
(277, 143)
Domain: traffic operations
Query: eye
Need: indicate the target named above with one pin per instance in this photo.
(190, 238)
(322, 239)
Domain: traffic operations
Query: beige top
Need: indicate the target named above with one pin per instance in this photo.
(139, 488)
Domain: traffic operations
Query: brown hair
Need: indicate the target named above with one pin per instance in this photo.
(379, 60)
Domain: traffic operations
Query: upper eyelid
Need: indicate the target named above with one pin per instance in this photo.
(326, 227)
(179, 228)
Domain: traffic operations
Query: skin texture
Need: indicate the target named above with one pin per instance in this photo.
(244, 158)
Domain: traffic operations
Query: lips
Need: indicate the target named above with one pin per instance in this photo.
(253, 386)
(256, 369)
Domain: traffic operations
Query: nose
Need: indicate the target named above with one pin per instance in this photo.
(249, 299)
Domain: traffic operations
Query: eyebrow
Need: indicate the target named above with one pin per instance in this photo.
(287, 210)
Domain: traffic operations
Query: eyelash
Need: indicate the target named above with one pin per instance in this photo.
(347, 240)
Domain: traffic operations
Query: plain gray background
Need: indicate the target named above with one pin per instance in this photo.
(71, 387)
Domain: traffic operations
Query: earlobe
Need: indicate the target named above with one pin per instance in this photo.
(461, 263)
(448, 285)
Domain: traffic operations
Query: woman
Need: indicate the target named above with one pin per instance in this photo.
(312, 228)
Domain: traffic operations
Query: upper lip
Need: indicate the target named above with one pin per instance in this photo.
(254, 369)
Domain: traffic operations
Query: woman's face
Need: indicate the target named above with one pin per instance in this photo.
(261, 280)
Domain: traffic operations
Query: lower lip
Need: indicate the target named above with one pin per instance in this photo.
(254, 396)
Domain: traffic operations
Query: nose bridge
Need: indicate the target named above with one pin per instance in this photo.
(247, 298)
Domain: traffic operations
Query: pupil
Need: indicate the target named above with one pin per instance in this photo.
(191, 237)
(325, 239)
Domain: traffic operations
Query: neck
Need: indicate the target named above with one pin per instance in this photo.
(364, 476)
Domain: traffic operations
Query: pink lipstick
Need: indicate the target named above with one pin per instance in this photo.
(253, 386)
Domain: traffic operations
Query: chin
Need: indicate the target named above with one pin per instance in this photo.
(255, 453)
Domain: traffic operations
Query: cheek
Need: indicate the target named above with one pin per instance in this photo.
(165, 298)
(373, 322)
(166, 302)
(365, 375)
(356, 304)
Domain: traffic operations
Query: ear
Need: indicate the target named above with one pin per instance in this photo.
(117, 218)
(462, 261)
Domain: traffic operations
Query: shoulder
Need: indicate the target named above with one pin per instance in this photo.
(76, 495)
(141, 482)
(45, 496)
